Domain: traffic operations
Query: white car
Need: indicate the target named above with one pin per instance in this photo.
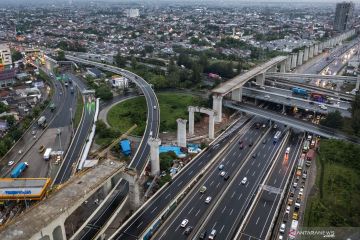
(184, 223)
(282, 228)
(208, 199)
(154, 107)
(301, 192)
(10, 163)
(244, 180)
(222, 173)
(287, 150)
(287, 209)
(267, 96)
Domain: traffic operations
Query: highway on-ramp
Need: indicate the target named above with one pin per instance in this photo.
(140, 158)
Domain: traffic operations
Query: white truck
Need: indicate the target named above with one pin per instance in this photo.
(47, 154)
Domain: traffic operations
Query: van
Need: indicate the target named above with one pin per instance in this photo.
(212, 234)
(151, 133)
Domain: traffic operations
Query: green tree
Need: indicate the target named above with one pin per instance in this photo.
(355, 114)
(104, 92)
(196, 73)
(184, 60)
(3, 107)
(16, 56)
(133, 63)
(120, 61)
(333, 120)
(149, 49)
(204, 61)
(61, 55)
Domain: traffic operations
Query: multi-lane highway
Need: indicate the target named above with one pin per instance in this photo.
(152, 209)
(29, 143)
(194, 206)
(81, 134)
(140, 158)
(258, 223)
(291, 121)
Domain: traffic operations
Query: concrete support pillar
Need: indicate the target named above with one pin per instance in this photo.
(311, 52)
(300, 58)
(293, 60)
(288, 63)
(211, 126)
(283, 108)
(154, 155)
(236, 95)
(217, 106)
(282, 67)
(273, 69)
(260, 79)
(135, 198)
(306, 54)
(181, 132)
(191, 120)
(321, 46)
(357, 83)
(316, 49)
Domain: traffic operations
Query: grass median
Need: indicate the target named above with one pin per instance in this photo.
(133, 111)
(79, 110)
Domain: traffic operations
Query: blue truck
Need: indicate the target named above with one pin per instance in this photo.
(16, 172)
(125, 147)
(299, 91)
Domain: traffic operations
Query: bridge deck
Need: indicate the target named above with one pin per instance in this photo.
(39, 216)
(242, 78)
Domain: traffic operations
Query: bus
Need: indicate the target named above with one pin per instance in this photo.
(277, 136)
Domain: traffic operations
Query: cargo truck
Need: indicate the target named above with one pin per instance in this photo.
(47, 154)
(300, 91)
(16, 172)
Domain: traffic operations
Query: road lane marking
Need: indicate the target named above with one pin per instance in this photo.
(240, 196)
(217, 185)
(252, 163)
(257, 220)
(233, 194)
(223, 209)
(264, 204)
(222, 228)
(191, 172)
(258, 165)
(253, 173)
(139, 225)
(234, 154)
(167, 196)
(191, 210)
(247, 172)
(154, 209)
(275, 181)
(231, 212)
(212, 183)
(197, 212)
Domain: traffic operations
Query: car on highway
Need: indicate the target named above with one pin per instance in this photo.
(250, 144)
(222, 173)
(203, 234)
(295, 184)
(304, 174)
(301, 191)
(188, 230)
(154, 107)
(267, 96)
(41, 148)
(287, 209)
(184, 223)
(33, 132)
(282, 227)
(221, 166)
(241, 146)
(226, 177)
(244, 180)
(287, 150)
(323, 107)
(203, 189)
(208, 199)
(290, 201)
(212, 234)
(295, 216)
(264, 141)
(10, 163)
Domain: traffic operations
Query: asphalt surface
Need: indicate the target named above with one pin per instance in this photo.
(285, 97)
(261, 215)
(194, 207)
(80, 137)
(102, 216)
(140, 158)
(290, 121)
(140, 221)
(236, 200)
(29, 145)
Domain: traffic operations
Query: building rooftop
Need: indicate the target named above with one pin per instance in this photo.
(244, 77)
